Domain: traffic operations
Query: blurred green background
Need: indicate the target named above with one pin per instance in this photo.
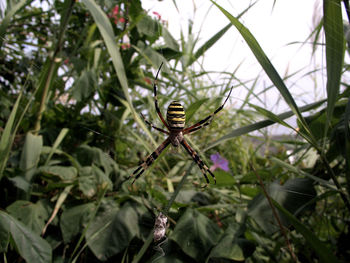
(74, 78)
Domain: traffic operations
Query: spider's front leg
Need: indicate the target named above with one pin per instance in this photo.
(206, 121)
(156, 99)
(152, 126)
(150, 159)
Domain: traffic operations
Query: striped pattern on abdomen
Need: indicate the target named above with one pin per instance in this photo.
(176, 116)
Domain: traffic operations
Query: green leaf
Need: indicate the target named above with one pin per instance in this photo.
(293, 195)
(195, 234)
(224, 179)
(335, 50)
(92, 179)
(193, 107)
(149, 27)
(232, 246)
(74, 219)
(62, 172)
(111, 231)
(261, 124)
(324, 253)
(276, 119)
(298, 171)
(84, 86)
(106, 31)
(4, 238)
(150, 56)
(7, 19)
(31, 155)
(57, 142)
(169, 40)
(8, 135)
(88, 156)
(207, 45)
(30, 246)
(30, 214)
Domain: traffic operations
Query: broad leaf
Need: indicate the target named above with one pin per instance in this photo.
(30, 214)
(74, 219)
(30, 155)
(293, 195)
(195, 234)
(30, 246)
(111, 231)
(232, 246)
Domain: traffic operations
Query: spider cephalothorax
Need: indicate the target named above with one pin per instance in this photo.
(175, 124)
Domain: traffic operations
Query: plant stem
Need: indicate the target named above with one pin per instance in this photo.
(334, 179)
(52, 64)
(149, 239)
(274, 212)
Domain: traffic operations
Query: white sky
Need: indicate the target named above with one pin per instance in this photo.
(273, 26)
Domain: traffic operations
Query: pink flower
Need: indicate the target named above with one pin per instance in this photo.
(157, 15)
(125, 45)
(116, 15)
(147, 80)
(115, 10)
(219, 162)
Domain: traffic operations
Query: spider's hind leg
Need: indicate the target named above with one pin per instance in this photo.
(199, 162)
(150, 159)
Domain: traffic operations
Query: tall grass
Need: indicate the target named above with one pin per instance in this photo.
(85, 136)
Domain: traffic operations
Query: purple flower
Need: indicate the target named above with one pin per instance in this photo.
(219, 162)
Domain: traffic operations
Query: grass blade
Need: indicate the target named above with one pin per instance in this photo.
(262, 124)
(325, 254)
(266, 65)
(7, 19)
(107, 34)
(333, 27)
(8, 136)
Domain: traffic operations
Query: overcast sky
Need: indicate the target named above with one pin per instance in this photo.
(274, 27)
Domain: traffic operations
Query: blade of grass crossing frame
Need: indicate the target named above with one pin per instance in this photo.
(8, 136)
(270, 115)
(347, 144)
(335, 49)
(214, 39)
(261, 124)
(7, 19)
(107, 34)
(57, 142)
(208, 44)
(323, 252)
(266, 65)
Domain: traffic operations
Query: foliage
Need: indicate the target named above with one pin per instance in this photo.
(74, 77)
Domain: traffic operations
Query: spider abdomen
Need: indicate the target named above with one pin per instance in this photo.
(175, 116)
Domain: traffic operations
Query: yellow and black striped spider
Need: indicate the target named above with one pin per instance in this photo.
(175, 123)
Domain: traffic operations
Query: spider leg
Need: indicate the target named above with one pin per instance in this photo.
(150, 159)
(156, 99)
(198, 161)
(154, 127)
(206, 121)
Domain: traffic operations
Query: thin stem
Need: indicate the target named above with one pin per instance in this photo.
(334, 179)
(52, 66)
(275, 214)
(149, 239)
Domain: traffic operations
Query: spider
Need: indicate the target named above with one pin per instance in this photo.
(175, 123)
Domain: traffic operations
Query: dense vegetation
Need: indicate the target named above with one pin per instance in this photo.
(74, 77)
